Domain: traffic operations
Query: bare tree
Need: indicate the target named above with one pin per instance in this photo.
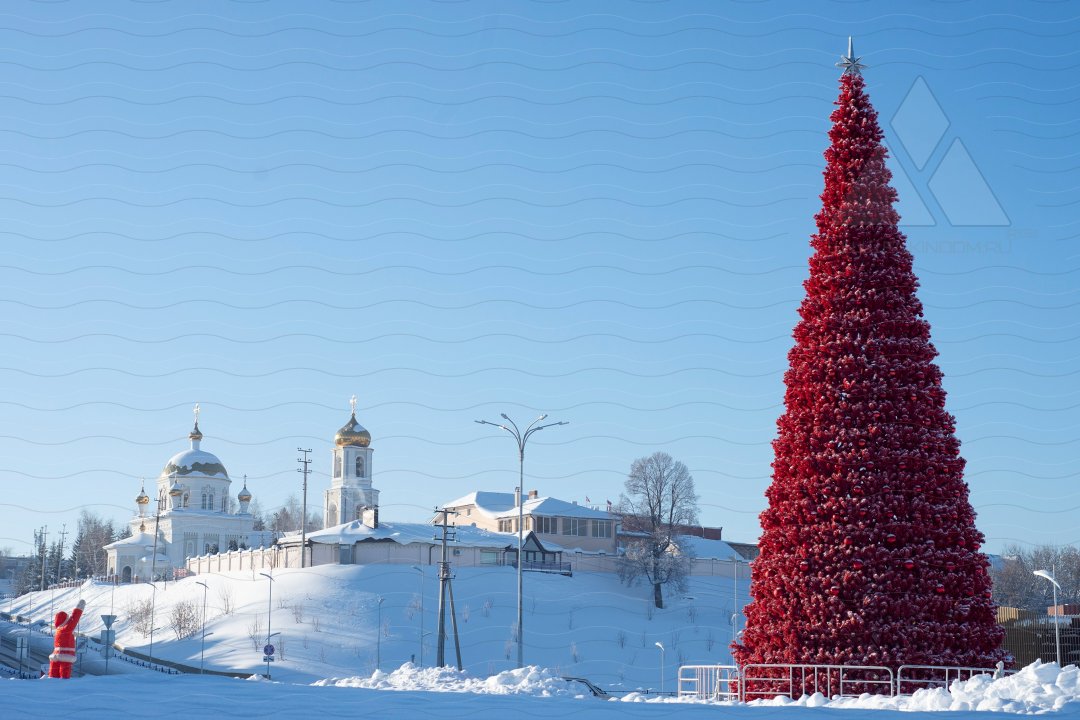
(659, 497)
(1015, 584)
(185, 619)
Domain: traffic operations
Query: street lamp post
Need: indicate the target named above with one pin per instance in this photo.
(269, 609)
(202, 652)
(421, 571)
(663, 653)
(378, 638)
(521, 438)
(1057, 633)
(153, 615)
(737, 610)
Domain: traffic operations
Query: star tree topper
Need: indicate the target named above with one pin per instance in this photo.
(849, 62)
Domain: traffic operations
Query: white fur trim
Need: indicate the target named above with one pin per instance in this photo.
(63, 656)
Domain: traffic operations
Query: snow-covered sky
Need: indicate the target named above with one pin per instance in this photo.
(455, 210)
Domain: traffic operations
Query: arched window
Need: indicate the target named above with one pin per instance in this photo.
(331, 515)
(359, 466)
(207, 498)
(337, 465)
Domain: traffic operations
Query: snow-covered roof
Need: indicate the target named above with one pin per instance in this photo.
(552, 507)
(141, 539)
(407, 533)
(486, 503)
(710, 549)
(501, 505)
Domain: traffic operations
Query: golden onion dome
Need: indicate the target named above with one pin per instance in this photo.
(175, 490)
(142, 498)
(352, 434)
(195, 434)
(245, 495)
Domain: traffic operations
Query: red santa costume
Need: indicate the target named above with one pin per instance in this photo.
(63, 654)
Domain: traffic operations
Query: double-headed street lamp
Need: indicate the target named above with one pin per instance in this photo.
(1057, 633)
(521, 438)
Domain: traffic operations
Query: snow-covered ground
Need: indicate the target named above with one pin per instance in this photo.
(328, 618)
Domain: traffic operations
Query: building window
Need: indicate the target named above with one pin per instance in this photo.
(489, 557)
(575, 526)
(601, 528)
(207, 499)
(359, 466)
(337, 465)
(506, 526)
(547, 525)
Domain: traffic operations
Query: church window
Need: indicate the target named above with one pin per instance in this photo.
(331, 515)
(337, 465)
(359, 466)
(207, 498)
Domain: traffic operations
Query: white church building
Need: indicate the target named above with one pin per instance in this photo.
(190, 513)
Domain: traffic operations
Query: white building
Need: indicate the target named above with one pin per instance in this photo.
(556, 522)
(190, 513)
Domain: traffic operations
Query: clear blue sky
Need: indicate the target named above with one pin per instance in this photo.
(455, 209)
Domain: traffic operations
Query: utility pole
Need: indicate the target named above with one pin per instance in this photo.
(303, 508)
(44, 553)
(60, 555)
(444, 584)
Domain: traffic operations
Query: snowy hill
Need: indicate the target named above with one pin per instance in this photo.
(328, 618)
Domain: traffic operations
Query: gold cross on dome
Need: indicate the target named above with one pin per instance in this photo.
(352, 404)
(196, 413)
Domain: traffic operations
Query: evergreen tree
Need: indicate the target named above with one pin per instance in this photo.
(869, 552)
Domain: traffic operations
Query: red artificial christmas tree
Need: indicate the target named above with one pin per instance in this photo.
(869, 552)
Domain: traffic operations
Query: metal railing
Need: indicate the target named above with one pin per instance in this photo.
(910, 678)
(709, 682)
(764, 680)
(562, 568)
(796, 680)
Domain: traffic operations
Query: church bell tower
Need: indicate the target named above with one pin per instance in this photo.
(351, 496)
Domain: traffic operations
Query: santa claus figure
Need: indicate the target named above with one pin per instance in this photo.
(63, 654)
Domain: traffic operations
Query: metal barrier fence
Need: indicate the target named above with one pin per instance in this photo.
(709, 682)
(910, 678)
(762, 680)
(795, 680)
